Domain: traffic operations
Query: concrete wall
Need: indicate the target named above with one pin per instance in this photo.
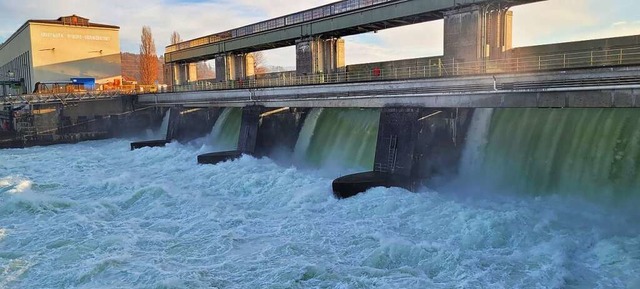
(278, 133)
(188, 124)
(63, 52)
(439, 144)
(101, 108)
(46, 118)
(234, 67)
(462, 34)
(317, 55)
(429, 66)
(477, 32)
(585, 45)
(16, 56)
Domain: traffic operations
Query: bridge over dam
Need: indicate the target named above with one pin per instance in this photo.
(407, 122)
(594, 87)
(473, 29)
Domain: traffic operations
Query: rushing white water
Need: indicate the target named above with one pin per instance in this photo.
(164, 127)
(225, 132)
(96, 215)
(477, 138)
(306, 133)
(161, 131)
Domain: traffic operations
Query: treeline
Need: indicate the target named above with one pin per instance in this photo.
(148, 68)
(131, 68)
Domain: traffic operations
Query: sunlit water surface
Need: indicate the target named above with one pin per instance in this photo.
(96, 215)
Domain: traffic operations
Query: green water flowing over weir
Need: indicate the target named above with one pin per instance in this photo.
(343, 138)
(224, 135)
(589, 152)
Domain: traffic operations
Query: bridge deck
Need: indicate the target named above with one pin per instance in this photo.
(594, 87)
(369, 18)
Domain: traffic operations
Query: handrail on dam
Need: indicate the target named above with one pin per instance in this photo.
(64, 97)
(436, 67)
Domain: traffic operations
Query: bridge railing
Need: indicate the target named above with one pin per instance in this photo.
(63, 97)
(436, 68)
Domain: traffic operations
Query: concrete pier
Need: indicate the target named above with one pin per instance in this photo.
(414, 147)
(246, 139)
(394, 158)
(263, 132)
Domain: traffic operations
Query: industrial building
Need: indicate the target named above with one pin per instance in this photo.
(68, 51)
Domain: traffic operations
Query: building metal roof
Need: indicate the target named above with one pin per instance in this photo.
(72, 20)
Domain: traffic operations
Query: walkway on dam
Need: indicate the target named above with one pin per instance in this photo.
(439, 83)
(435, 67)
(590, 87)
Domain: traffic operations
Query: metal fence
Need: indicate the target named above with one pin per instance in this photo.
(437, 67)
(433, 68)
(64, 97)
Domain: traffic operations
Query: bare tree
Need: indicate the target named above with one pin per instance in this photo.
(204, 71)
(175, 38)
(148, 57)
(259, 62)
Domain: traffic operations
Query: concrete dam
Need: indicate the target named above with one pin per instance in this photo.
(593, 152)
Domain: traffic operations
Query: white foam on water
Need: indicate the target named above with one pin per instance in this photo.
(477, 139)
(15, 184)
(100, 216)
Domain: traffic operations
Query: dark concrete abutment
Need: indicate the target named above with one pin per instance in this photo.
(185, 124)
(413, 145)
(263, 132)
(38, 123)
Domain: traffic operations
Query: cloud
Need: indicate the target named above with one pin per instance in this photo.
(543, 22)
(571, 20)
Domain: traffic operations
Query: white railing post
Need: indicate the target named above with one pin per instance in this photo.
(539, 62)
(620, 61)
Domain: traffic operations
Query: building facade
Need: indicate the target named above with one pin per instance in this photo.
(55, 51)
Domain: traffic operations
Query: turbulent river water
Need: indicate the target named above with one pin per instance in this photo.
(96, 215)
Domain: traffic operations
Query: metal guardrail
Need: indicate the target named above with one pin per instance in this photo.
(437, 68)
(64, 97)
(434, 68)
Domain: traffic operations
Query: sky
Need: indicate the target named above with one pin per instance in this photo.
(539, 23)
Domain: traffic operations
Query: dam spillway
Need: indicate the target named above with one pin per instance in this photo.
(546, 196)
(109, 216)
(592, 152)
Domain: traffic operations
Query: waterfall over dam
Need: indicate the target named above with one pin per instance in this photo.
(589, 152)
(155, 218)
(343, 138)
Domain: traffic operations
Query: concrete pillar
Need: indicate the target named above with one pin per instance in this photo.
(181, 73)
(249, 129)
(317, 55)
(394, 161)
(396, 142)
(477, 33)
(191, 71)
(174, 123)
(169, 74)
(234, 67)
